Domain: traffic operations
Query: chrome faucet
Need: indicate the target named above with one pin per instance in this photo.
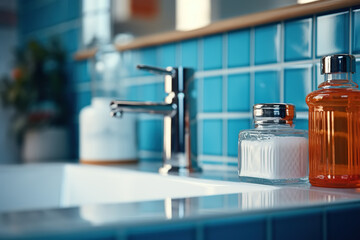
(176, 146)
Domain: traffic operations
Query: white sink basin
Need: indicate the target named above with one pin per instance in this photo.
(44, 186)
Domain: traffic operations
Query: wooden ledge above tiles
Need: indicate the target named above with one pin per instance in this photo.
(245, 21)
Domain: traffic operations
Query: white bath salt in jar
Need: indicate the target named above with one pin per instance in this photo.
(274, 152)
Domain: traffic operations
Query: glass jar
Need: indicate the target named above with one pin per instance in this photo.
(334, 125)
(274, 152)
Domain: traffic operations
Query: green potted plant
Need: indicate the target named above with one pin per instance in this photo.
(36, 91)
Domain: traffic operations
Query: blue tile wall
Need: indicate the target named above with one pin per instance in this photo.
(332, 33)
(267, 44)
(233, 128)
(297, 85)
(212, 137)
(298, 39)
(213, 52)
(238, 93)
(189, 54)
(356, 31)
(167, 55)
(212, 101)
(267, 87)
(238, 48)
(153, 130)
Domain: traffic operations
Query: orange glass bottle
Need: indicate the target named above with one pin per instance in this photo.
(334, 125)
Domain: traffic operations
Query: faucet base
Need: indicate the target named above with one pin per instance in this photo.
(167, 168)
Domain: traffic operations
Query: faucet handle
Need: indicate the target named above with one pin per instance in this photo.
(174, 77)
(166, 71)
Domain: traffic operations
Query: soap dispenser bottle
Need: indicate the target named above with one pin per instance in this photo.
(334, 125)
(103, 139)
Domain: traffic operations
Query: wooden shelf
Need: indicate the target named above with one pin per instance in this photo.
(245, 21)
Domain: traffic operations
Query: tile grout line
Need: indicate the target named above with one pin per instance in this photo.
(252, 73)
(313, 43)
(350, 30)
(224, 92)
(178, 57)
(200, 90)
(262, 67)
(282, 50)
(140, 80)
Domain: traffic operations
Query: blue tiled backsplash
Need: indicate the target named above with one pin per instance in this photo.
(278, 62)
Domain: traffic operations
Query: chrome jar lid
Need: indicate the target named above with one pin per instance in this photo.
(340, 63)
(282, 113)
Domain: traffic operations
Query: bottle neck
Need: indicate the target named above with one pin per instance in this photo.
(262, 125)
(338, 80)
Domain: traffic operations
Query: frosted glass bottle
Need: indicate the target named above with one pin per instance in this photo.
(274, 152)
(334, 125)
(103, 139)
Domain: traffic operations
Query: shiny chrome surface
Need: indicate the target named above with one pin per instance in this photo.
(339, 63)
(269, 113)
(176, 145)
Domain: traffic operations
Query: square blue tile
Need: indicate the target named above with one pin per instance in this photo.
(212, 91)
(189, 54)
(356, 76)
(302, 124)
(356, 31)
(132, 93)
(213, 52)
(234, 126)
(342, 223)
(193, 138)
(73, 9)
(298, 39)
(247, 228)
(152, 92)
(238, 92)
(70, 40)
(267, 87)
(167, 55)
(332, 34)
(297, 84)
(267, 44)
(192, 97)
(82, 72)
(298, 226)
(212, 137)
(134, 58)
(147, 57)
(183, 233)
(239, 48)
(150, 135)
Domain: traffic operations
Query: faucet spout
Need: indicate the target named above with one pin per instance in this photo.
(119, 107)
(177, 140)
